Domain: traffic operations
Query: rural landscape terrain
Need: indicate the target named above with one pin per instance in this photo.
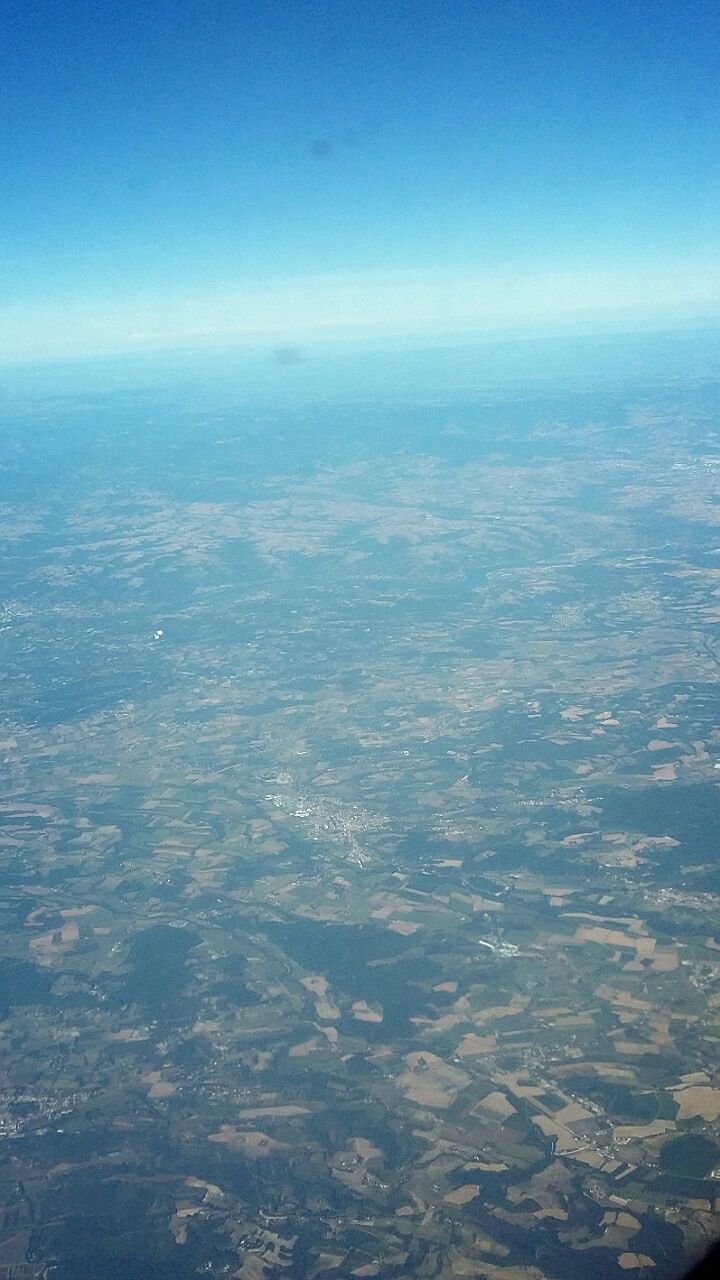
(359, 832)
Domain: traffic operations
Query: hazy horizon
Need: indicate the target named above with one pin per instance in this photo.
(297, 174)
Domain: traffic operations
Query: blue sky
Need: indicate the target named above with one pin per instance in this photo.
(199, 172)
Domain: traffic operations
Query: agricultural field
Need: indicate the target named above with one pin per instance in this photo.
(359, 832)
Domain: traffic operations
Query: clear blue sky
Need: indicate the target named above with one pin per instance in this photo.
(202, 169)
